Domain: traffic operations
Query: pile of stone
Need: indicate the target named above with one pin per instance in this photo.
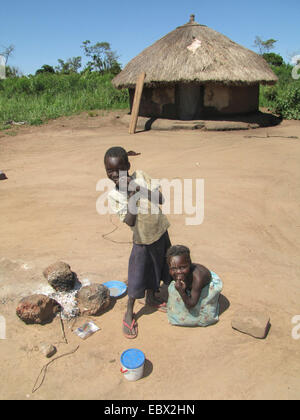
(60, 276)
(41, 309)
(37, 309)
(93, 299)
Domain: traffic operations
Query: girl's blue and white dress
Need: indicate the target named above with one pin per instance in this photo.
(206, 311)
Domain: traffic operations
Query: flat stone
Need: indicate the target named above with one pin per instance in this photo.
(254, 323)
(93, 299)
(254, 125)
(48, 350)
(60, 276)
(37, 309)
(225, 125)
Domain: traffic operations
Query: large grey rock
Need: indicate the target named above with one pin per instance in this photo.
(93, 299)
(60, 276)
(37, 309)
(251, 322)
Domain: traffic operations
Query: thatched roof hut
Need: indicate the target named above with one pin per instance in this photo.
(194, 71)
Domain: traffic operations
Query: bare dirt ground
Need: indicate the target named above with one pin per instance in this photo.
(250, 237)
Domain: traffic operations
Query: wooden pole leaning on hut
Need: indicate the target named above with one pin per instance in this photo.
(136, 102)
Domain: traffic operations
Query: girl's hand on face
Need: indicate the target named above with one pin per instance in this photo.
(180, 286)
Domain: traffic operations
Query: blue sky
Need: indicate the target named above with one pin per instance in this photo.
(44, 31)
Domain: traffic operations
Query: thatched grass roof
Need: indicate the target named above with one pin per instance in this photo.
(196, 53)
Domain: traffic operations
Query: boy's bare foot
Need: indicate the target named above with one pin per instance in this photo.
(130, 327)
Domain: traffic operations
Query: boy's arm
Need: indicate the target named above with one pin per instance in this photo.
(149, 188)
(157, 195)
(154, 196)
(130, 218)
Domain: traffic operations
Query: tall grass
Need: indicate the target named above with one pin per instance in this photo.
(35, 99)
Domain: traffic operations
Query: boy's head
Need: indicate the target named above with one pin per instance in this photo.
(179, 261)
(116, 161)
(116, 151)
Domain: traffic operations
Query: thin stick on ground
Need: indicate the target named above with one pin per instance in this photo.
(63, 329)
(44, 370)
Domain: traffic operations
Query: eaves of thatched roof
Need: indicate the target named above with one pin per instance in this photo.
(196, 53)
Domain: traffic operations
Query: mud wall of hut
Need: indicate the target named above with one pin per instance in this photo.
(228, 100)
(194, 101)
(160, 102)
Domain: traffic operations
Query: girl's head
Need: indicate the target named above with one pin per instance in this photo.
(179, 261)
(116, 161)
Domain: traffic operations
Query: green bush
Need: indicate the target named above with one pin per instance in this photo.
(284, 97)
(287, 103)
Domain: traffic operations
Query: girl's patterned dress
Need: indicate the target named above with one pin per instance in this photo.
(206, 311)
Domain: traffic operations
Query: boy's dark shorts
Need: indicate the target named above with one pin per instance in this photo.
(148, 266)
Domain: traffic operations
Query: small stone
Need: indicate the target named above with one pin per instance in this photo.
(37, 309)
(93, 299)
(60, 276)
(2, 175)
(48, 350)
(254, 323)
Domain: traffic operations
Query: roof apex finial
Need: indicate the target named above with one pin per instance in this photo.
(192, 19)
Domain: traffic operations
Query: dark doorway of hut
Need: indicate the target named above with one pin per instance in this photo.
(190, 101)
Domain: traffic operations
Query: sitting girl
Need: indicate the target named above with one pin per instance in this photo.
(194, 293)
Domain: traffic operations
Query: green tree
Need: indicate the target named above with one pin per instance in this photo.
(273, 59)
(45, 69)
(102, 58)
(72, 65)
(264, 46)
